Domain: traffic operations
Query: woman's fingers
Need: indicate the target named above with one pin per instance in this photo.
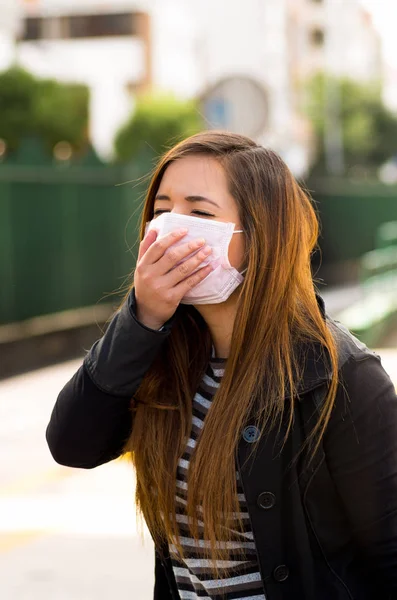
(190, 282)
(178, 258)
(147, 241)
(187, 267)
(165, 271)
(158, 248)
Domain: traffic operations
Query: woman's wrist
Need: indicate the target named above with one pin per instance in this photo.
(148, 321)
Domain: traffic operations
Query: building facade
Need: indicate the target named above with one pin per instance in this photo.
(104, 45)
(337, 37)
(122, 47)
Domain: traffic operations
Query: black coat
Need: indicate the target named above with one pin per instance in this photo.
(324, 530)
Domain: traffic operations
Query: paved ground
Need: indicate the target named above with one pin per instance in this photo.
(67, 534)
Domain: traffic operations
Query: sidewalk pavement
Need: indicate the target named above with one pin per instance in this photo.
(65, 534)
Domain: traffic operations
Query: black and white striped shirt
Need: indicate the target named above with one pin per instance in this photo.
(193, 575)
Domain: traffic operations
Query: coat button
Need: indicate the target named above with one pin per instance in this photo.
(281, 573)
(266, 500)
(251, 434)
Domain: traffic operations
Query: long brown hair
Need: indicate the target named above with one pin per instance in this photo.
(277, 309)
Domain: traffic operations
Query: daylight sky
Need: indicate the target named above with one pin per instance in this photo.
(384, 13)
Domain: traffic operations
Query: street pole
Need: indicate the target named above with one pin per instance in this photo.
(333, 135)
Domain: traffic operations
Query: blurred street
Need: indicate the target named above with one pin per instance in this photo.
(67, 534)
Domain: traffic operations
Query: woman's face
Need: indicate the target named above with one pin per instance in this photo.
(196, 186)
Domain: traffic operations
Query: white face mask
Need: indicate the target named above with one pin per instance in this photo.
(224, 279)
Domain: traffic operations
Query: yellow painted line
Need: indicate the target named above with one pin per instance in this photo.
(35, 481)
(23, 486)
(11, 541)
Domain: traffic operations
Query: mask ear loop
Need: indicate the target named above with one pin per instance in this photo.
(246, 269)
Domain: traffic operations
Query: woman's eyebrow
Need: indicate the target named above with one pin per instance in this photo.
(189, 199)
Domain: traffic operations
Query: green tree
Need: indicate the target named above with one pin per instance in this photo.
(47, 109)
(156, 123)
(61, 113)
(369, 129)
(17, 105)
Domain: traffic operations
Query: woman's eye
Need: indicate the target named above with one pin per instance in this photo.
(198, 213)
(201, 213)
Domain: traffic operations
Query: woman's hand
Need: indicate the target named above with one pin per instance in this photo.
(159, 284)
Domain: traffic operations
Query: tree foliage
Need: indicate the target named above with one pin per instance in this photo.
(369, 129)
(62, 113)
(157, 123)
(44, 108)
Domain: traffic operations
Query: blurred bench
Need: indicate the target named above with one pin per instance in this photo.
(50, 339)
(374, 314)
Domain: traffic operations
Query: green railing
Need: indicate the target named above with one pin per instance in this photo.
(351, 214)
(373, 315)
(68, 231)
(67, 234)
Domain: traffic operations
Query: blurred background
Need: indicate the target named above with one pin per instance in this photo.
(91, 93)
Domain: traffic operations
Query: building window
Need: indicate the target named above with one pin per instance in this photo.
(317, 37)
(32, 29)
(82, 26)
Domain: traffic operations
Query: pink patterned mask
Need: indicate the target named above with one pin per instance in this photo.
(224, 279)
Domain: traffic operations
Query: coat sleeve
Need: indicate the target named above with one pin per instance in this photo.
(92, 419)
(361, 451)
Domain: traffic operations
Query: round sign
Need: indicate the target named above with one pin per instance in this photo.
(237, 104)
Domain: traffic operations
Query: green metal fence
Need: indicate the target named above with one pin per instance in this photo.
(374, 314)
(67, 234)
(351, 214)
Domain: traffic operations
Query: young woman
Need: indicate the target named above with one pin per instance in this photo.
(263, 434)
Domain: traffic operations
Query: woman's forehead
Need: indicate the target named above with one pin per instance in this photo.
(204, 173)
